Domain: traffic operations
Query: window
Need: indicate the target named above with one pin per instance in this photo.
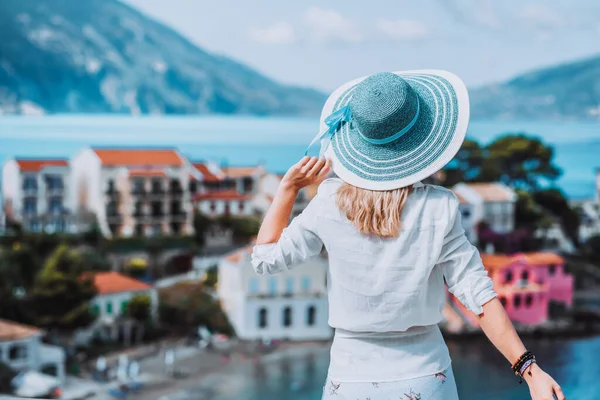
(551, 269)
(139, 230)
(241, 207)
(273, 286)
(95, 309)
(157, 186)
(287, 316)
(253, 285)
(311, 313)
(30, 206)
(213, 207)
(305, 283)
(503, 301)
(109, 307)
(55, 206)
(508, 277)
(17, 352)
(227, 210)
(193, 186)
(517, 301)
(30, 183)
(262, 318)
(528, 300)
(525, 276)
(138, 185)
(289, 284)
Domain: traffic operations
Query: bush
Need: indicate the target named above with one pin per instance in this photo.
(139, 308)
(136, 267)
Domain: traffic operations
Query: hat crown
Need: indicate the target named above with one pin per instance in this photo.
(383, 105)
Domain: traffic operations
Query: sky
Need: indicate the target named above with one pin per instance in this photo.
(323, 44)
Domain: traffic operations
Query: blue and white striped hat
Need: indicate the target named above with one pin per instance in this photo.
(391, 130)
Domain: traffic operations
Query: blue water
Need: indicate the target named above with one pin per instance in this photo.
(277, 142)
(480, 371)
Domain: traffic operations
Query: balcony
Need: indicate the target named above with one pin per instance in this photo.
(138, 191)
(178, 215)
(55, 191)
(30, 191)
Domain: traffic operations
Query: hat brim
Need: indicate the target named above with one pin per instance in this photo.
(425, 149)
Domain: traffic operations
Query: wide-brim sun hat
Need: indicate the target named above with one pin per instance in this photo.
(393, 129)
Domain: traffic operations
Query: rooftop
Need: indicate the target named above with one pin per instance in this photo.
(138, 157)
(114, 282)
(241, 172)
(35, 164)
(147, 173)
(209, 176)
(500, 261)
(492, 192)
(13, 331)
(229, 194)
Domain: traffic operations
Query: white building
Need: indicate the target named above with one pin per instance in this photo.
(21, 348)
(225, 191)
(493, 203)
(134, 192)
(115, 291)
(36, 192)
(290, 305)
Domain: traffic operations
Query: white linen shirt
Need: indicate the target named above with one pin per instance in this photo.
(386, 285)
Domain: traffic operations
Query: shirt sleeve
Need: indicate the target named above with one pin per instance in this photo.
(462, 267)
(298, 242)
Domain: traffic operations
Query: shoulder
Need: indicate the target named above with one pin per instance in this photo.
(328, 187)
(437, 194)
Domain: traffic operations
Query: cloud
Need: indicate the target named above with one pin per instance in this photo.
(540, 17)
(279, 33)
(403, 29)
(330, 25)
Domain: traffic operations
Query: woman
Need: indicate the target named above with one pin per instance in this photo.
(392, 242)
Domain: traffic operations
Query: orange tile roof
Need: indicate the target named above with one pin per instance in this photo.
(222, 195)
(137, 157)
(114, 282)
(34, 165)
(240, 172)
(499, 261)
(491, 191)
(208, 175)
(147, 173)
(12, 331)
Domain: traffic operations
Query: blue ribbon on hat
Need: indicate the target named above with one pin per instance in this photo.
(344, 115)
(334, 122)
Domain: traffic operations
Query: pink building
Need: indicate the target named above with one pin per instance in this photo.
(526, 283)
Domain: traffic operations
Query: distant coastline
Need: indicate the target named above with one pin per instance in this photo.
(274, 141)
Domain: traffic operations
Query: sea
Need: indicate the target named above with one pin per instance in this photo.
(480, 371)
(275, 142)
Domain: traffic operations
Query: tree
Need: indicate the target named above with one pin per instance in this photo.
(466, 165)
(554, 201)
(520, 161)
(186, 306)
(592, 248)
(61, 294)
(202, 226)
(139, 308)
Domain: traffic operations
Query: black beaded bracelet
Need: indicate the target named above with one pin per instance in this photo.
(526, 358)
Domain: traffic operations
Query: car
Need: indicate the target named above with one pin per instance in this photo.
(35, 385)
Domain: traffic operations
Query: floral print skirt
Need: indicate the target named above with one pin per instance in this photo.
(440, 386)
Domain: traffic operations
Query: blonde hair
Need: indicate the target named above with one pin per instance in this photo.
(373, 212)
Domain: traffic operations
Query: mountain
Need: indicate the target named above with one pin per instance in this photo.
(564, 92)
(102, 56)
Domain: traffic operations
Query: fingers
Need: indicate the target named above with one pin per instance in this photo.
(302, 162)
(558, 392)
(322, 174)
(308, 165)
(317, 167)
